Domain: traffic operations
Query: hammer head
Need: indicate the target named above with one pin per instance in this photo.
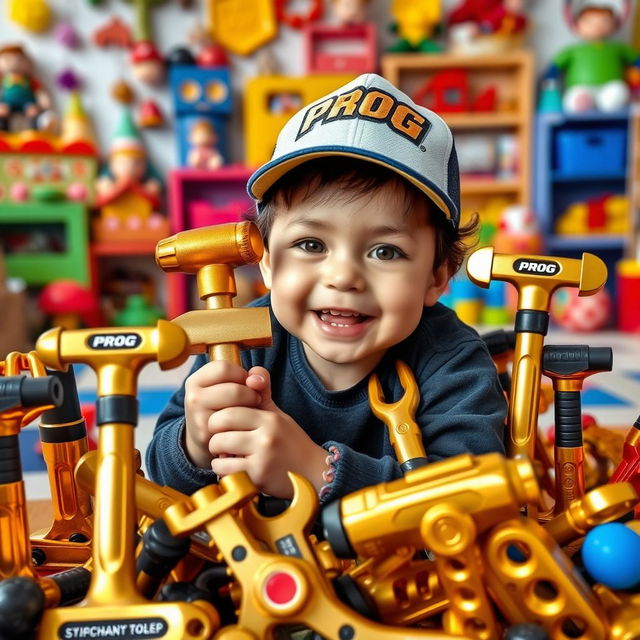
(233, 244)
(539, 276)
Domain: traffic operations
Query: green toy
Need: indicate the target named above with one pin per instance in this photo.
(137, 313)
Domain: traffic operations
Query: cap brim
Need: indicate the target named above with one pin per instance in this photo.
(270, 173)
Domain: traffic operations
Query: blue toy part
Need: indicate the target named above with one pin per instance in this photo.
(200, 93)
(200, 90)
(611, 555)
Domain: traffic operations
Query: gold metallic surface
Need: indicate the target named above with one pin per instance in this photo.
(533, 580)
(312, 602)
(188, 251)
(15, 550)
(404, 433)
(600, 505)
(451, 534)
(380, 519)
(588, 274)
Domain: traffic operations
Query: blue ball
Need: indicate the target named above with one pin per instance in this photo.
(611, 555)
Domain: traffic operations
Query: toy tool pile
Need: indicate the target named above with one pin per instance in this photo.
(538, 544)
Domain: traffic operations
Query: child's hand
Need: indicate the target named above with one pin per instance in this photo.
(265, 442)
(215, 386)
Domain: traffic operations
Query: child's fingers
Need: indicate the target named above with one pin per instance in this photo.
(234, 419)
(258, 378)
(218, 372)
(227, 466)
(230, 443)
(221, 396)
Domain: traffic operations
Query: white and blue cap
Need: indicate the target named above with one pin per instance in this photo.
(371, 120)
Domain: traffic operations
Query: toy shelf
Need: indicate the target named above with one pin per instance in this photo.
(487, 101)
(578, 157)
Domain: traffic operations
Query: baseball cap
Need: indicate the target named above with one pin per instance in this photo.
(370, 119)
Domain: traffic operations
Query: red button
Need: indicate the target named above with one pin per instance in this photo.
(280, 588)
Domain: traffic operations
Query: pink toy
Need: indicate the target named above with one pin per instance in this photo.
(340, 49)
(198, 197)
(66, 35)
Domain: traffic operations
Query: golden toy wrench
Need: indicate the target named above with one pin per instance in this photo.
(404, 433)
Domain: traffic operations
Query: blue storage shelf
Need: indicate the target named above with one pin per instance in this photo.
(555, 188)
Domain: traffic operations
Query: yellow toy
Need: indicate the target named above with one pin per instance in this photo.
(604, 214)
(268, 103)
(32, 15)
(239, 30)
(415, 23)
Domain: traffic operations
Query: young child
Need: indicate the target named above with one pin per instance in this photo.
(359, 211)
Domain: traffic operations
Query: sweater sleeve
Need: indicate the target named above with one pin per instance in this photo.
(166, 460)
(462, 410)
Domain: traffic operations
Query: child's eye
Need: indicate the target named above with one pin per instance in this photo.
(386, 252)
(310, 245)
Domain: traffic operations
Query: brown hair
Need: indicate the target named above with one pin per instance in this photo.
(353, 179)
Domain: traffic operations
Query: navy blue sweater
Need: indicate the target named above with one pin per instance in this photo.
(462, 408)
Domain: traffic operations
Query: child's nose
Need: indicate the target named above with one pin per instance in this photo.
(343, 273)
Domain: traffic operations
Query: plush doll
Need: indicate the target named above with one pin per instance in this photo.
(596, 73)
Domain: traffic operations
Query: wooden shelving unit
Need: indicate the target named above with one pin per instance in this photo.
(512, 76)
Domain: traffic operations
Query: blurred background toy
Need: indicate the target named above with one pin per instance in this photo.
(349, 12)
(68, 304)
(606, 213)
(21, 93)
(137, 312)
(203, 153)
(596, 73)
(128, 191)
(487, 26)
(31, 15)
(415, 25)
(238, 30)
(584, 314)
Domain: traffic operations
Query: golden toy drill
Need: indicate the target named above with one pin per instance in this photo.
(378, 520)
(535, 279)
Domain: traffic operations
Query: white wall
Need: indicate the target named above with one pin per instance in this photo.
(100, 68)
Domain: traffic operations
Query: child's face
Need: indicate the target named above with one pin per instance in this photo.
(350, 279)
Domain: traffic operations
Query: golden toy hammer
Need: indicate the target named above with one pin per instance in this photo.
(535, 278)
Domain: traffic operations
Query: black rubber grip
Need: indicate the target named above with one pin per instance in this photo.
(532, 321)
(117, 408)
(39, 391)
(73, 585)
(67, 433)
(10, 465)
(334, 532)
(576, 358)
(568, 416)
(414, 463)
(69, 411)
(22, 391)
(161, 550)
